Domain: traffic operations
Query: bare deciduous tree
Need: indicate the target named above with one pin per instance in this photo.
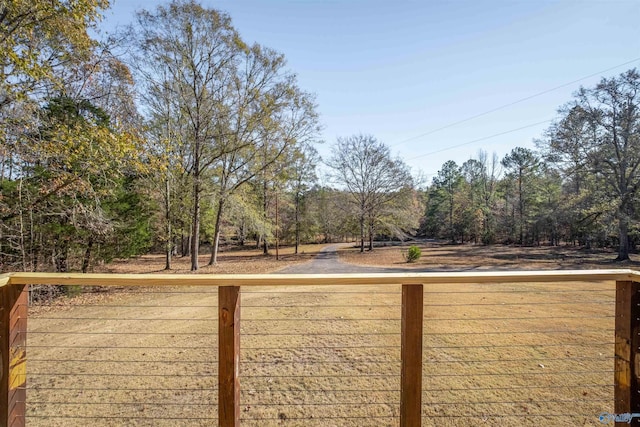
(197, 49)
(373, 179)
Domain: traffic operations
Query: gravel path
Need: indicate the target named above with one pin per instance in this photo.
(328, 262)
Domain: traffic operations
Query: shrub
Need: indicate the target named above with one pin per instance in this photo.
(413, 253)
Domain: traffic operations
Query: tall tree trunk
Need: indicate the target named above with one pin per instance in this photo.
(243, 232)
(38, 250)
(451, 232)
(167, 218)
(87, 255)
(361, 233)
(195, 226)
(216, 233)
(265, 244)
(277, 231)
(33, 247)
(297, 218)
(521, 208)
(623, 227)
(371, 230)
(2, 166)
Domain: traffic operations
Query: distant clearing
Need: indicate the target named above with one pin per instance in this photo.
(435, 256)
(441, 256)
(247, 260)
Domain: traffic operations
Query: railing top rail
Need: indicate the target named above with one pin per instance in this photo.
(5, 278)
(317, 279)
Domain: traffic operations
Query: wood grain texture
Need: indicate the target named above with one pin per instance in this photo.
(411, 356)
(229, 356)
(627, 341)
(321, 279)
(13, 324)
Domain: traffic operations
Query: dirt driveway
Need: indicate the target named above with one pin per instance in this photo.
(328, 262)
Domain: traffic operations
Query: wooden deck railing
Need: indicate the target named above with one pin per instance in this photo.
(13, 318)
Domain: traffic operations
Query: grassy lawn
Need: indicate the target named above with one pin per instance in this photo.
(511, 355)
(440, 256)
(233, 261)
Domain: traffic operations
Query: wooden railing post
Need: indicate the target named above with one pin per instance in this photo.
(229, 356)
(411, 355)
(13, 373)
(627, 354)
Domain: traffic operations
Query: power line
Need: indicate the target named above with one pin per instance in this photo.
(512, 103)
(482, 139)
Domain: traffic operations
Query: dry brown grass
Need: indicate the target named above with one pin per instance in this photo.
(529, 352)
(234, 261)
(440, 256)
(511, 355)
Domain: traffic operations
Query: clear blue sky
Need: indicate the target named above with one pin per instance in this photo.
(400, 69)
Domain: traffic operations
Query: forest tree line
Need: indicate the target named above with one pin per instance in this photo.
(580, 186)
(168, 135)
(176, 134)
